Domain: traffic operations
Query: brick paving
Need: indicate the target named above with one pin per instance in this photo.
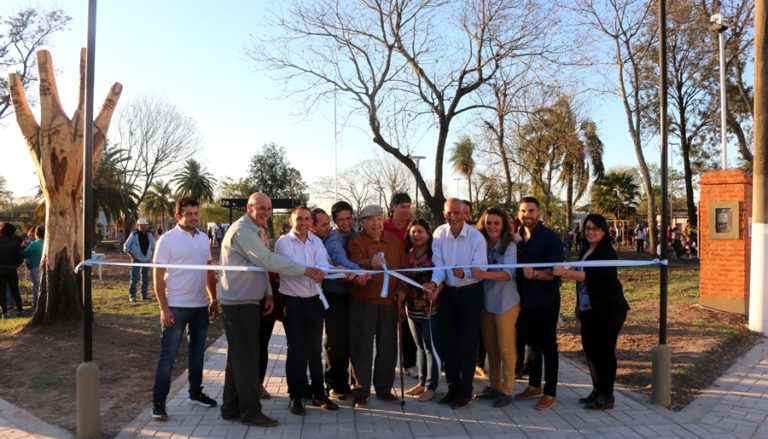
(735, 406)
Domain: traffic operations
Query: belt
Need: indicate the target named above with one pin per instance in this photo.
(286, 298)
(464, 287)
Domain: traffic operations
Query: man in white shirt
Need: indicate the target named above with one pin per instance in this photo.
(461, 299)
(303, 313)
(185, 307)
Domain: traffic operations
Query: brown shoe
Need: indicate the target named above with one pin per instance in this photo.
(415, 390)
(388, 397)
(428, 395)
(260, 420)
(529, 393)
(360, 402)
(546, 402)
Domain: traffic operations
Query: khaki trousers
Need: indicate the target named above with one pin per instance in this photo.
(499, 335)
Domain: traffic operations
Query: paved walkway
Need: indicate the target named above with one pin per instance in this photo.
(736, 406)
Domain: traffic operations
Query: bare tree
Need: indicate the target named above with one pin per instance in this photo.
(387, 176)
(21, 35)
(739, 43)
(422, 59)
(622, 28)
(505, 89)
(158, 140)
(692, 88)
(56, 147)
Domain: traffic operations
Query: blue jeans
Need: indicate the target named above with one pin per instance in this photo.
(429, 374)
(34, 276)
(195, 322)
(135, 279)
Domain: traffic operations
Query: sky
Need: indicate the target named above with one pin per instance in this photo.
(190, 53)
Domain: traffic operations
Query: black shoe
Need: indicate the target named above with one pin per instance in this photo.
(296, 406)
(602, 402)
(502, 401)
(488, 393)
(388, 397)
(202, 399)
(261, 420)
(325, 403)
(158, 411)
(229, 416)
(460, 402)
(589, 398)
(447, 399)
(360, 402)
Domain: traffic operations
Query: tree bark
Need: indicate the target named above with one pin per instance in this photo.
(56, 146)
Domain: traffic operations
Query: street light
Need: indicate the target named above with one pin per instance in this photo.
(716, 25)
(417, 159)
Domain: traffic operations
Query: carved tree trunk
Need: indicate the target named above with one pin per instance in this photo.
(56, 147)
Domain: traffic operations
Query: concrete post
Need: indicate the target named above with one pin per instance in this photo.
(758, 288)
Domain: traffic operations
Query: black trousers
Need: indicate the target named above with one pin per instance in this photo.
(9, 278)
(409, 347)
(539, 326)
(242, 388)
(458, 324)
(600, 329)
(303, 323)
(337, 342)
(265, 334)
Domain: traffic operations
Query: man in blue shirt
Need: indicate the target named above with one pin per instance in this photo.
(540, 302)
(337, 293)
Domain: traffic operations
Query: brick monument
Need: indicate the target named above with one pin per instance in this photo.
(725, 210)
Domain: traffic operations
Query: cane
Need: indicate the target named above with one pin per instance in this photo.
(400, 343)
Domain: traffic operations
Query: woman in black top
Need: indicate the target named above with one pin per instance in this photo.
(602, 309)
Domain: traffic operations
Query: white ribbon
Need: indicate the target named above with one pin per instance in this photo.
(339, 273)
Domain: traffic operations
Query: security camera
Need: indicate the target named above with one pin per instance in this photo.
(716, 23)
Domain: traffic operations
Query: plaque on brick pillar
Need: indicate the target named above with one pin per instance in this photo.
(725, 208)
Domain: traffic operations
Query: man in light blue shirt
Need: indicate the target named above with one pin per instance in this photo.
(139, 246)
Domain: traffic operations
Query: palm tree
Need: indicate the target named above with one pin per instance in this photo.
(463, 163)
(617, 193)
(109, 192)
(159, 201)
(195, 182)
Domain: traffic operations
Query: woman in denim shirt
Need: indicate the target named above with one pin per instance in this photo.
(501, 306)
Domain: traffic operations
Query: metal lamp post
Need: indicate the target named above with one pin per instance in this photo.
(716, 25)
(417, 159)
(458, 179)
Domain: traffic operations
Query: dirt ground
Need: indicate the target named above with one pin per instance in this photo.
(38, 367)
(699, 356)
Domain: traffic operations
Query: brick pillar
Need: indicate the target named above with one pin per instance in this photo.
(725, 207)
